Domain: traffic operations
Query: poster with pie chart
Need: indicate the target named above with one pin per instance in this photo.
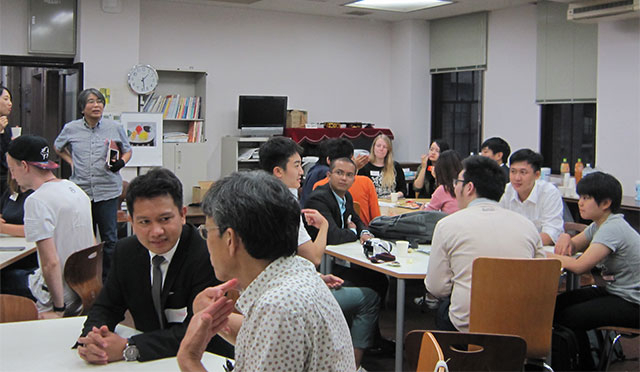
(144, 130)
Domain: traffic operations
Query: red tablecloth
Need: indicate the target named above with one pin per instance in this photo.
(318, 134)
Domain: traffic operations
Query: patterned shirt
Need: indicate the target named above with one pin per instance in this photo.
(292, 322)
(88, 147)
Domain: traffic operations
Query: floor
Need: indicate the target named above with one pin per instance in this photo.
(415, 318)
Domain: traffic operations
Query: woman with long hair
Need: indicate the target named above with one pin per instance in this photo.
(12, 208)
(425, 182)
(5, 134)
(387, 175)
(447, 170)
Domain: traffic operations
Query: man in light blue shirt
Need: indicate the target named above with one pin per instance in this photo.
(84, 144)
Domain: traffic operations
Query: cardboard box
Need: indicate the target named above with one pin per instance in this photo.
(296, 118)
(200, 190)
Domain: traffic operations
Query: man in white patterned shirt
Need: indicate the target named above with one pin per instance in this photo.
(290, 321)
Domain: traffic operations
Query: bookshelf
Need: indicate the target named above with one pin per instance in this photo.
(233, 147)
(181, 95)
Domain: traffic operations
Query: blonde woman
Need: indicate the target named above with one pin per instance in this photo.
(386, 174)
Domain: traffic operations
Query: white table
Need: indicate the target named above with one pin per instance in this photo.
(9, 257)
(413, 266)
(45, 345)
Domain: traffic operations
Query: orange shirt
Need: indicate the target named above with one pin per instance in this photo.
(364, 192)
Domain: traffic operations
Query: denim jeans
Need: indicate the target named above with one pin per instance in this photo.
(360, 307)
(105, 216)
(443, 322)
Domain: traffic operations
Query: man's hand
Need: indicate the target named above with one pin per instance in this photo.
(361, 161)
(563, 245)
(101, 346)
(211, 294)
(116, 166)
(202, 327)
(314, 218)
(365, 237)
(332, 281)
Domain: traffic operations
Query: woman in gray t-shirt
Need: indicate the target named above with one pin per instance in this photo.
(609, 240)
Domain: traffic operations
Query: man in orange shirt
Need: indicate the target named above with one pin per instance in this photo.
(364, 193)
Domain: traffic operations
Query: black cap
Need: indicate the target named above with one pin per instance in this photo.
(32, 149)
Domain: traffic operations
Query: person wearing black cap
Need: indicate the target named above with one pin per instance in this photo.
(57, 217)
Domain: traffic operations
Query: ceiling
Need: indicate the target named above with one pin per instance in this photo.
(335, 8)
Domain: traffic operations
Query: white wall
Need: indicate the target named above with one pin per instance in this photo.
(410, 89)
(618, 111)
(337, 69)
(510, 110)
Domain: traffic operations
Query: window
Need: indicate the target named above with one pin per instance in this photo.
(456, 112)
(568, 131)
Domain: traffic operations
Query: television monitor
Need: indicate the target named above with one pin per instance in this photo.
(262, 115)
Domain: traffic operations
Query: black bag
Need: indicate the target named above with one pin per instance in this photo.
(416, 227)
(565, 353)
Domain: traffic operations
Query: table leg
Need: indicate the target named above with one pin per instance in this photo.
(399, 323)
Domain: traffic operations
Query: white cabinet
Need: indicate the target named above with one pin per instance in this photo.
(233, 148)
(188, 162)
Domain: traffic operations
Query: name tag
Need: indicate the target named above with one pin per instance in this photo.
(374, 173)
(176, 315)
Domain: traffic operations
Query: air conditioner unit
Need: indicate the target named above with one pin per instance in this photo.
(603, 10)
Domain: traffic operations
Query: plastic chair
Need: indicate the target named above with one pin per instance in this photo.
(516, 297)
(17, 309)
(83, 274)
(607, 348)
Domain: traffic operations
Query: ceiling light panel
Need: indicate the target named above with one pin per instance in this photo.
(403, 6)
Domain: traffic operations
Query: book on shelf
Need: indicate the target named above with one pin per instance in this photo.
(195, 131)
(173, 106)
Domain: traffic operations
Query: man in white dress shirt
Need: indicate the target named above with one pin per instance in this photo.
(290, 321)
(538, 200)
(469, 233)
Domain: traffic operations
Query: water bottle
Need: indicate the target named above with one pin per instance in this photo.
(587, 170)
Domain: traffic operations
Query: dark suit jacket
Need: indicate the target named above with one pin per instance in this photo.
(128, 287)
(505, 170)
(325, 202)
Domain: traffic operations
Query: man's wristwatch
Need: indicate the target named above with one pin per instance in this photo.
(365, 232)
(131, 352)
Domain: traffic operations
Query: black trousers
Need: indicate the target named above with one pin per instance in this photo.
(589, 308)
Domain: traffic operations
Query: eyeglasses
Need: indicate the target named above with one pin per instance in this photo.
(204, 231)
(455, 182)
(94, 101)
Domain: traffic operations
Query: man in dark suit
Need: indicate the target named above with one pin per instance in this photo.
(335, 203)
(155, 274)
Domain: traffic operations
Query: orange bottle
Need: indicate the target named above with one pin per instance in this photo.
(578, 170)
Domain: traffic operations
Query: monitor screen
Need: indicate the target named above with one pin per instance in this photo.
(262, 111)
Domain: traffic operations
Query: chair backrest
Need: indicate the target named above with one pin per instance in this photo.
(574, 228)
(516, 297)
(422, 351)
(357, 207)
(83, 274)
(17, 309)
(481, 351)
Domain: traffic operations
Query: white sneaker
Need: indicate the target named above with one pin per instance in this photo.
(427, 300)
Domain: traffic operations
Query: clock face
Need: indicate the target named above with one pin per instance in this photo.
(143, 79)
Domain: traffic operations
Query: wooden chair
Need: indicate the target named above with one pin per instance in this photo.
(607, 348)
(357, 208)
(17, 309)
(574, 228)
(83, 274)
(468, 351)
(516, 297)
(423, 352)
